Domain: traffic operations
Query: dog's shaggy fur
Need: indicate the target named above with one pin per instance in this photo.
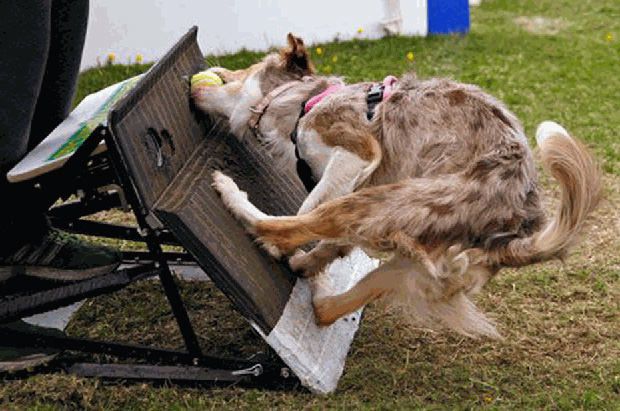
(442, 178)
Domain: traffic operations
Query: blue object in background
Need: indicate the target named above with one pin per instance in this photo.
(448, 16)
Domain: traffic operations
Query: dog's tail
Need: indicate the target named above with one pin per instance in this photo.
(572, 165)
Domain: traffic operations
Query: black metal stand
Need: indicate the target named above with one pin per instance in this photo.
(96, 194)
(107, 180)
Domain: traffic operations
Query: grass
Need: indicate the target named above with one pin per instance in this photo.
(561, 322)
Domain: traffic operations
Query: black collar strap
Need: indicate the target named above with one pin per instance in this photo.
(374, 97)
(303, 168)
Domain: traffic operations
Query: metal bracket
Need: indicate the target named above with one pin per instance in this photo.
(255, 371)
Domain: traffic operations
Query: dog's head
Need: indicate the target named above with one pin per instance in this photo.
(245, 88)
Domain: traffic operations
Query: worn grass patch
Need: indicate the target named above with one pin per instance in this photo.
(561, 322)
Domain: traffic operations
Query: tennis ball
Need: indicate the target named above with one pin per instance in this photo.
(206, 78)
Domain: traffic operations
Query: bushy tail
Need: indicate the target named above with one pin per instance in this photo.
(572, 165)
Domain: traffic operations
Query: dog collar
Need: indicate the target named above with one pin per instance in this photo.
(259, 109)
(303, 169)
(376, 94)
(317, 99)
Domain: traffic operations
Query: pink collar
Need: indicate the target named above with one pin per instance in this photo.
(317, 99)
(388, 87)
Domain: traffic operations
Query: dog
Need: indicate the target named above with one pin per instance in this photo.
(439, 175)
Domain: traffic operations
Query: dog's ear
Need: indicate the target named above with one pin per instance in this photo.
(295, 57)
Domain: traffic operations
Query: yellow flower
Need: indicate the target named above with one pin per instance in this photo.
(327, 69)
(609, 37)
(488, 399)
(335, 59)
(139, 58)
(360, 30)
(410, 56)
(111, 58)
(319, 51)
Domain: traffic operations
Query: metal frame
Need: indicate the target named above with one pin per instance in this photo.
(86, 176)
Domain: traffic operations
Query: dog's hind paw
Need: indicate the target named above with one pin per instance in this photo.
(304, 264)
(457, 260)
(271, 249)
(324, 312)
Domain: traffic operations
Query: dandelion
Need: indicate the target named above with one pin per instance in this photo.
(609, 37)
(327, 69)
(319, 51)
(488, 399)
(139, 58)
(360, 30)
(111, 58)
(410, 56)
(335, 59)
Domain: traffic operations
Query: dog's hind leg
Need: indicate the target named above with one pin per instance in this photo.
(387, 278)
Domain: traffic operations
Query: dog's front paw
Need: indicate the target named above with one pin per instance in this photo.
(226, 75)
(228, 190)
(223, 184)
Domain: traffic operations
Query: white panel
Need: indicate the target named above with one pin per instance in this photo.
(316, 354)
(150, 27)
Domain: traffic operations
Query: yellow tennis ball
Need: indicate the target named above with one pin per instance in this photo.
(206, 78)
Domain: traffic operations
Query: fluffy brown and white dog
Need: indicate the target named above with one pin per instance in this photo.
(441, 177)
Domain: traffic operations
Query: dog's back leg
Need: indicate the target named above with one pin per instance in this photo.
(387, 278)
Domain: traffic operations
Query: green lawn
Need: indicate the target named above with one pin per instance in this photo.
(561, 322)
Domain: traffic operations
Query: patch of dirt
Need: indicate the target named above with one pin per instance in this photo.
(541, 25)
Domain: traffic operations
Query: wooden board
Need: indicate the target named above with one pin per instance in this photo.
(172, 177)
